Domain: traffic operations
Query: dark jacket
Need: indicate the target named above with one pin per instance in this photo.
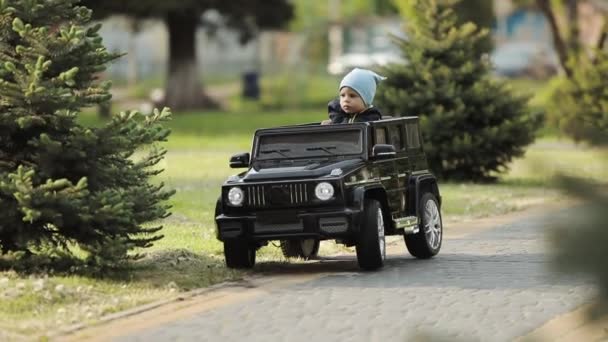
(338, 116)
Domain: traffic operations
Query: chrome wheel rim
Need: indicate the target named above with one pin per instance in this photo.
(308, 246)
(381, 239)
(432, 224)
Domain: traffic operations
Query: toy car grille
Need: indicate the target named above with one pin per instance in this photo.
(255, 196)
(276, 194)
(333, 224)
(278, 227)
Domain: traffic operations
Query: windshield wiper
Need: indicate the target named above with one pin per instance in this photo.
(281, 152)
(323, 148)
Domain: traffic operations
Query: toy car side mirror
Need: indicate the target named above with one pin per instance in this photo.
(239, 160)
(383, 151)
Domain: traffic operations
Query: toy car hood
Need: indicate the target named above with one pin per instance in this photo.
(312, 170)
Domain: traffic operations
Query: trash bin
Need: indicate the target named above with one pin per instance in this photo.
(251, 86)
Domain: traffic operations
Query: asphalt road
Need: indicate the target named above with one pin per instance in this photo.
(490, 285)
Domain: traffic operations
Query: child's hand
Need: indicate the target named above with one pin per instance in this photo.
(326, 122)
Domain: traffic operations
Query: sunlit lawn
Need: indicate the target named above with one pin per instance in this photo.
(189, 256)
(198, 174)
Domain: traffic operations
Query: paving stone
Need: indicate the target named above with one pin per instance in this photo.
(491, 286)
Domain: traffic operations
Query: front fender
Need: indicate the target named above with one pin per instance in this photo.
(218, 211)
(375, 191)
(417, 187)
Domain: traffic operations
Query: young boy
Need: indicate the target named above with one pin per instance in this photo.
(357, 91)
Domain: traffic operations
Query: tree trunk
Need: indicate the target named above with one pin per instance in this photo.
(183, 88)
(558, 40)
(601, 41)
(132, 75)
(335, 31)
(573, 36)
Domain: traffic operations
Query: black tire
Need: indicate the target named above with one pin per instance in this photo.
(239, 254)
(371, 243)
(304, 248)
(422, 245)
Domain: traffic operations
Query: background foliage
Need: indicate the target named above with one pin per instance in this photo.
(579, 104)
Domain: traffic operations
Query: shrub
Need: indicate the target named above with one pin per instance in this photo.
(472, 124)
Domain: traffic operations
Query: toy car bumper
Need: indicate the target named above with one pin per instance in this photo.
(342, 223)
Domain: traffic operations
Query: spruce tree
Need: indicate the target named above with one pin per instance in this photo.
(63, 184)
(472, 125)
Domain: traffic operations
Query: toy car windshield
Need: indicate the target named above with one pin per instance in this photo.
(310, 145)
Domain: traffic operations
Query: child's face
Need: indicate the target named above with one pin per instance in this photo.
(350, 101)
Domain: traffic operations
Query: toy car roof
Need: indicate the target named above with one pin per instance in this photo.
(384, 120)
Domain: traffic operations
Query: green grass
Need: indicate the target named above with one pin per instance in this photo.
(197, 176)
(213, 131)
(464, 201)
(32, 305)
(35, 304)
(189, 256)
(549, 157)
(298, 91)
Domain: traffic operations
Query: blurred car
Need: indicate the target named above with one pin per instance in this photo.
(531, 59)
(349, 61)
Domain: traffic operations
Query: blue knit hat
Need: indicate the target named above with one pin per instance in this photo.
(364, 82)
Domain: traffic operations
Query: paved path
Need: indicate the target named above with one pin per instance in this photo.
(488, 286)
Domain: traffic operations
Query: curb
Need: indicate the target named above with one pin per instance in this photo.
(178, 307)
(147, 307)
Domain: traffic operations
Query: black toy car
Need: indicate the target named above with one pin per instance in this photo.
(353, 183)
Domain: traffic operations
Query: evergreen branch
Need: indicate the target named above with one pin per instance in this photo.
(63, 183)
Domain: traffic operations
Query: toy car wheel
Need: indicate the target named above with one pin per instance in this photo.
(371, 244)
(239, 254)
(305, 248)
(427, 242)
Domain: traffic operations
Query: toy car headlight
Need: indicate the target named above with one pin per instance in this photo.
(235, 196)
(324, 191)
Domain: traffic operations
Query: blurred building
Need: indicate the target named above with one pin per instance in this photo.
(369, 45)
(524, 42)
